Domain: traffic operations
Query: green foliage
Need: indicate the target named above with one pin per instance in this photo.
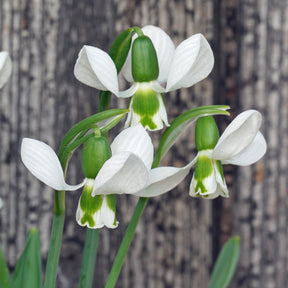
(75, 136)
(28, 270)
(225, 264)
(120, 48)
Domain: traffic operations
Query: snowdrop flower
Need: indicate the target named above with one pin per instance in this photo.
(241, 144)
(127, 171)
(5, 68)
(148, 67)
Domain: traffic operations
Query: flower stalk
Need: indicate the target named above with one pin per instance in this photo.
(128, 236)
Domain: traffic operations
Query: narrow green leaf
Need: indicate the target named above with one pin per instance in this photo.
(118, 52)
(28, 270)
(103, 120)
(225, 264)
(181, 123)
(5, 281)
(120, 48)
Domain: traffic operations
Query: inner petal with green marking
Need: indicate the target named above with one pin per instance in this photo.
(204, 176)
(98, 211)
(146, 105)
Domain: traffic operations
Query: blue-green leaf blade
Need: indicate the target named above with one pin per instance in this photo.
(181, 123)
(28, 270)
(226, 262)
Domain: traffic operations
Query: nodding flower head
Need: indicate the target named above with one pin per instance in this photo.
(240, 144)
(153, 67)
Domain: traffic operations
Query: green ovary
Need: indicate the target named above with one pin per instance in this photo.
(203, 170)
(146, 105)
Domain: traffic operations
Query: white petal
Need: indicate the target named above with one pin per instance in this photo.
(122, 173)
(5, 68)
(193, 61)
(164, 48)
(133, 119)
(95, 68)
(162, 180)
(162, 111)
(251, 154)
(137, 141)
(222, 189)
(238, 135)
(43, 163)
(108, 215)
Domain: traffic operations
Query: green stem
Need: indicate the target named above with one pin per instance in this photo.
(5, 281)
(89, 258)
(104, 100)
(55, 246)
(118, 262)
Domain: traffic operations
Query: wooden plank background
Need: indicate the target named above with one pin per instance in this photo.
(178, 237)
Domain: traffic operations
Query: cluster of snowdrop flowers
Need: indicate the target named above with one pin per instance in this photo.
(127, 171)
(125, 167)
(152, 61)
(241, 144)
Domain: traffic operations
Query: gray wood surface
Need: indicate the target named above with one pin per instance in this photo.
(178, 237)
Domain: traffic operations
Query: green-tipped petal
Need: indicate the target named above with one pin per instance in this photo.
(95, 212)
(203, 181)
(208, 180)
(147, 107)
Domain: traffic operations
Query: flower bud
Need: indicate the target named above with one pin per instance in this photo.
(96, 152)
(206, 133)
(144, 60)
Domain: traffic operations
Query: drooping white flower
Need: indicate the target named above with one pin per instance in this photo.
(128, 171)
(241, 144)
(189, 63)
(5, 68)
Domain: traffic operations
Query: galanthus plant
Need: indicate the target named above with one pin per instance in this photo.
(126, 170)
(152, 61)
(148, 59)
(241, 144)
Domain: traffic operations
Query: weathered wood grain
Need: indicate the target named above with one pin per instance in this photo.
(179, 237)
